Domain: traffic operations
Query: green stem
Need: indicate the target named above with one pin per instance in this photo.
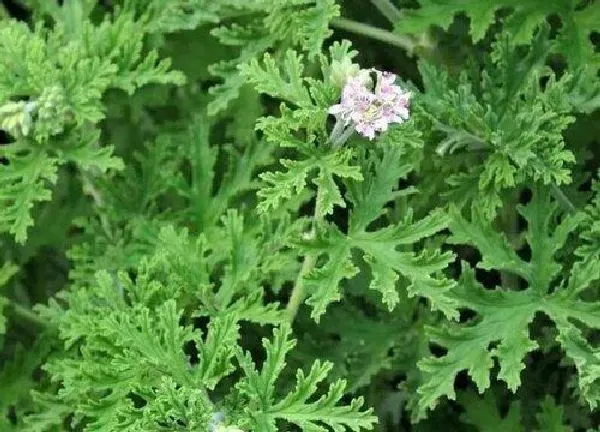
(298, 292)
(89, 188)
(26, 314)
(338, 128)
(297, 296)
(341, 140)
(509, 221)
(388, 10)
(376, 33)
(562, 198)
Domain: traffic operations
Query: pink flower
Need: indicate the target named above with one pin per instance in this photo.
(371, 107)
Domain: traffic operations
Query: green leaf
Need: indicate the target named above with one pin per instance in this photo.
(17, 376)
(286, 83)
(578, 21)
(49, 413)
(296, 407)
(216, 352)
(300, 25)
(164, 16)
(323, 282)
(88, 155)
(24, 182)
(328, 193)
(63, 72)
(551, 417)
(502, 129)
(501, 331)
(388, 249)
(281, 186)
(7, 271)
(381, 252)
(494, 247)
(483, 413)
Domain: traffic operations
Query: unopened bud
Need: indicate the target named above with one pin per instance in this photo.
(342, 70)
(15, 118)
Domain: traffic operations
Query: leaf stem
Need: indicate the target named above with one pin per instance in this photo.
(388, 10)
(297, 296)
(298, 292)
(562, 198)
(89, 188)
(510, 225)
(338, 128)
(376, 33)
(341, 140)
(25, 314)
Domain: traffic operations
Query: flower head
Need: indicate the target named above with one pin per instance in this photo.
(370, 105)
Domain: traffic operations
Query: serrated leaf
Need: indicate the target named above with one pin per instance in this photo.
(24, 182)
(286, 83)
(295, 407)
(323, 283)
(215, 353)
(483, 413)
(502, 129)
(551, 417)
(381, 247)
(505, 315)
(524, 18)
(282, 186)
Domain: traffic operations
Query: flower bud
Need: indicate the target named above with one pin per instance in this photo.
(52, 111)
(15, 118)
(342, 70)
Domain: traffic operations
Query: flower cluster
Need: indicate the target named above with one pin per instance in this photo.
(371, 105)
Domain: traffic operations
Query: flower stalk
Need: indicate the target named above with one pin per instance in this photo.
(344, 136)
(388, 10)
(405, 42)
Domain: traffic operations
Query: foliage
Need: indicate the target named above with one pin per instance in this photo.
(6, 272)
(64, 73)
(190, 240)
(279, 23)
(521, 19)
(504, 316)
